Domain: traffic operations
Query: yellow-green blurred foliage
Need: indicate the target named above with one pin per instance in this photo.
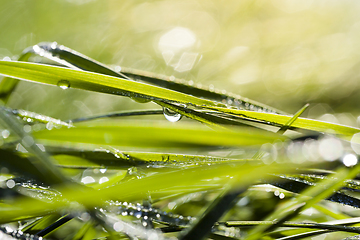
(282, 53)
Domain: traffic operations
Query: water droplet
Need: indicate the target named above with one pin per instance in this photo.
(5, 133)
(53, 45)
(137, 214)
(103, 179)
(350, 160)
(63, 84)
(10, 183)
(171, 115)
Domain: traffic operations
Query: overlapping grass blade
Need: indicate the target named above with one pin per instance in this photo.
(73, 59)
(52, 75)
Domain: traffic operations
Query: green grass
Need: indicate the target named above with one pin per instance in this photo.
(223, 167)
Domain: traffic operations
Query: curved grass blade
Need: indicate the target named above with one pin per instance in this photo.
(188, 87)
(73, 59)
(90, 81)
(156, 135)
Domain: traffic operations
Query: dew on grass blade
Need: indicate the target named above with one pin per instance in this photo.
(171, 115)
(64, 84)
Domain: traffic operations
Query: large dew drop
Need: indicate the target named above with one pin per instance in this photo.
(63, 84)
(171, 115)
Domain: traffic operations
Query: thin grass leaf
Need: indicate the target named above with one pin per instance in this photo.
(118, 114)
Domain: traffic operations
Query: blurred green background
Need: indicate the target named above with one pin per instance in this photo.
(282, 53)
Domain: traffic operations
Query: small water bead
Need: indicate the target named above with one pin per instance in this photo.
(137, 214)
(5, 133)
(171, 115)
(64, 84)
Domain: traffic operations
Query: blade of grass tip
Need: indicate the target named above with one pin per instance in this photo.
(73, 59)
(307, 199)
(283, 129)
(41, 160)
(7, 84)
(292, 120)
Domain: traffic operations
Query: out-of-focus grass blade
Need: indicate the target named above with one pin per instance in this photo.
(66, 78)
(303, 123)
(141, 134)
(7, 84)
(138, 189)
(39, 160)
